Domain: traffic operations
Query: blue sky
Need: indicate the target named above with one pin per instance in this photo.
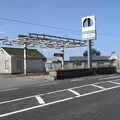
(64, 14)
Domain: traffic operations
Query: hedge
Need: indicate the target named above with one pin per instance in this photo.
(105, 70)
(72, 73)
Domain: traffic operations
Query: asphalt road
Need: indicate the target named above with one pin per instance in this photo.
(87, 98)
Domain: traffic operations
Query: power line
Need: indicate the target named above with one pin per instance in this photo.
(51, 27)
(36, 24)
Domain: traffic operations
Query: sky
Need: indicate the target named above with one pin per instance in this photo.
(65, 16)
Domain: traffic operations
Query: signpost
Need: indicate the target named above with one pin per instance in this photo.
(89, 34)
(25, 58)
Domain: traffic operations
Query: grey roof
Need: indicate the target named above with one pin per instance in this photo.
(94, 58)
(20, 52)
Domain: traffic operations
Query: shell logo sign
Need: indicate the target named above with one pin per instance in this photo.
(89, 28)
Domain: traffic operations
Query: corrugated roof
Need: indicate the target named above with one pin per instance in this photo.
(20, 52)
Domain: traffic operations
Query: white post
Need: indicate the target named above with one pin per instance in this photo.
(25, 58)
(89, 55)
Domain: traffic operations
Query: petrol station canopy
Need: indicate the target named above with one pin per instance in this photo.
(45, 41)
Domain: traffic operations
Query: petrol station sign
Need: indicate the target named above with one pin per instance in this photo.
(89, 28)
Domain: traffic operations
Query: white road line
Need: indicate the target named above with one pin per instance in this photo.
(74, 92)
(99, 78)
(79, 79)
(11, 89)
(48, 93)
(97, 86)
(98, 91)
(73, 88)
(114, 82)
(35, 107)
(111, 77)
(59, 101)
(39, 99)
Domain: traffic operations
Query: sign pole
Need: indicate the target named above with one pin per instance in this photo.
(25, 58)
(89, 55)
(62, 61)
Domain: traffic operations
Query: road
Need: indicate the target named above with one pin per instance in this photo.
(86, 98)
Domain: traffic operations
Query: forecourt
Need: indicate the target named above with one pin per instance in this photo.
(88, 98)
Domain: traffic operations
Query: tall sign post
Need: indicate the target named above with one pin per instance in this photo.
(89, 34)
(25, 58)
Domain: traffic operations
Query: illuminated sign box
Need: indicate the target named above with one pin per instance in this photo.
(89, 28)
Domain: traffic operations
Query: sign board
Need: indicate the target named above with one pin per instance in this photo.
(89, 28)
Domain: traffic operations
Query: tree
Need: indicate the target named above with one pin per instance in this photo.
(94, 52)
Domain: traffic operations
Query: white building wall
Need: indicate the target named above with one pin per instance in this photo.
(70, 65)
(5, 62)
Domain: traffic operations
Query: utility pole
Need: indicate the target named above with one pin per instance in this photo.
(25, 58)
(89, 55)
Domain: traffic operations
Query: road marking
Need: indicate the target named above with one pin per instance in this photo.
(97, 77)
(10, 89)
(74, 92)
(39, 99)
(114, 82)
(72, 88)
(49, 93)
(59, 101)
(97, 86)
(79, 79)
(35, 107)
(111, 77)
(8, 101)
